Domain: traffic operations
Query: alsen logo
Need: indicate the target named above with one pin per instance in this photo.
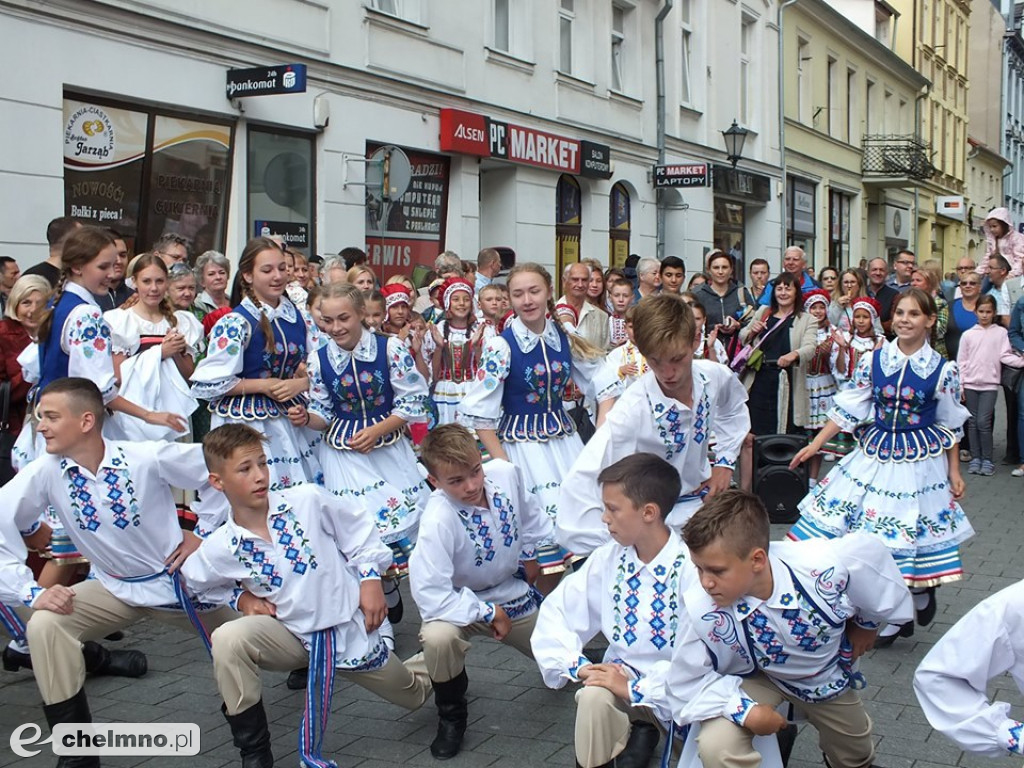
(470, 134)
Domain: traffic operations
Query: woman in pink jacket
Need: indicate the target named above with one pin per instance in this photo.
(1003, 238)
(984, 349)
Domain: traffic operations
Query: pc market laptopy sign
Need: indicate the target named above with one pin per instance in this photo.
(266, 81)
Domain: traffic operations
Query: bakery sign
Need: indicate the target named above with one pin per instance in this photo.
(469, 133)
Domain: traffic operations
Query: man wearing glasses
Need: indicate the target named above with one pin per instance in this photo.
(902, 269)
(173, 249)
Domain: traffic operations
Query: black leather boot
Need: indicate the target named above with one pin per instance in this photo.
(298, 679)
(251, 735)
(452, 713)
(14, 660)
(643, 740)
(99, 661)
(73, 710)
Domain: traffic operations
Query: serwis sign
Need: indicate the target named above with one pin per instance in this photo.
(266, 81)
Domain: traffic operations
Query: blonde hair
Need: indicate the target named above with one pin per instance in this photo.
(346, 291)
(662, 321)
(24, 286)
(451, 444)
(402, 280)
(579, 346)
(357, 270)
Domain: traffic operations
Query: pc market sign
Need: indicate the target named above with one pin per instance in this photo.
(266, 81)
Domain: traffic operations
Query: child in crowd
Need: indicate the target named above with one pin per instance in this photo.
(451, 347)
(373, 320)
(620, 298)
(305, 573)
(492, 303)
(625, 361)
(821, 384)
(670, 412)
(903, 483)
(625, 590)
(479, 525)
(984, 349)
(397, 312)
(515, 404)
(863, 338)
(951, 682)
(781, 625)
(708, 346)
(365, 388)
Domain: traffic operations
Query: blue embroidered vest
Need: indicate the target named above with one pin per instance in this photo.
(904, 427)
(532, 399)
(53, 360)
(361, 396)
(289, 351)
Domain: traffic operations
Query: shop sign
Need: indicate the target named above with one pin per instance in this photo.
(951, 206)
(464, 132)
(682, 175)
(289, 232)
(596, 160)
(266, 81)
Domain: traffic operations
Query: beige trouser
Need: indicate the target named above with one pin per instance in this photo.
(55, 640)
(245, 646)
(844, 730)
(603, 725)
(445, 645)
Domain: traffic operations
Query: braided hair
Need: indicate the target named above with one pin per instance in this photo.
(80, 248)
(246, 266)
(145, 261)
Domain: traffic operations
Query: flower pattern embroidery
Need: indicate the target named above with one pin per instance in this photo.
(91, 334)
(545, 382)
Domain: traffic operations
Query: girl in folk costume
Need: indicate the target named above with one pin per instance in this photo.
(365, 388)
(620, 296)
(847, 349)
(903, 482)
(515, 404)
(708, 346)
(625, 362)
(253, 371)
(397, 312)
(452, 347)
(821, 384)
(155, 350)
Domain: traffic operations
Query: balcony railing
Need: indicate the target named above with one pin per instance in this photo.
(896, 157)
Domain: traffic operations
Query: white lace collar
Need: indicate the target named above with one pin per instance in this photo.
(527, 339)
(365, 352)
(923, 362)
(80, 292)
(285, 310)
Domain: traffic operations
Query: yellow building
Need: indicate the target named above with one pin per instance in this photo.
(932, 36)
(854, 159)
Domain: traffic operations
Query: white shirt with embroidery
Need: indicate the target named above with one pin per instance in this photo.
(644, 419)
(481, 407)
(127, 327)
(952, 681)
(123, 518)
(86, 338)
(466, 557)
(321, 550)
(635, 605)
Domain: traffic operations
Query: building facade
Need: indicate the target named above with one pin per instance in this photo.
(527, 124)
(1012, 114)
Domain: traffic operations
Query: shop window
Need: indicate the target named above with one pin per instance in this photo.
(147, 172)
(618, 225)
(568, 224)
(728, 231)
(281, 183)
(800, 208)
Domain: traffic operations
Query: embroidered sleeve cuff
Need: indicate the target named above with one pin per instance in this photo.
(1010, 736)
(636, 691)
(31, 529)
(368, 571)
(860, 621)
(317, 409)
(846, 420)
(528, 553)
(213, 390)
(235, 595)
(725, 461)
(477, 422)
(488, 613)
(30, 593)
(740, 709)
(576, 666)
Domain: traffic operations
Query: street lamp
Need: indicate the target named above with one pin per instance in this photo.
(734, 139)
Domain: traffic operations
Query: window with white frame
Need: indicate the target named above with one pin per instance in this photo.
(869, 104)
(747, 31)
(803, 80)
(831, 100)
(566, 17)
(502, 26)
(618, 81)
(686, 95)
(403, 9)
(851, 107)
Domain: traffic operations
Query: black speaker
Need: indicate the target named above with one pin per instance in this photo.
(779, 487)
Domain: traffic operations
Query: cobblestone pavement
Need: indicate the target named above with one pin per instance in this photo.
(515, 722)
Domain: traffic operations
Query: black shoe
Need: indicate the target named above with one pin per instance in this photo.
(251, 735)
(100, 661)
(452, 714)
(906, 630)
(643, 740)
(115, 636)
(14, 660)
(927, 614)
(397, 611)
(786, 738)
(73, 710)
(298, 679)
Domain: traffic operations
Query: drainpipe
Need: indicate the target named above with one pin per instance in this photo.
(782, 126)
(659, 78)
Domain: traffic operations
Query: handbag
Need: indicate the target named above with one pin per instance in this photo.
(1011, 377)
(581, 418)
(7, 438)
(751, 356)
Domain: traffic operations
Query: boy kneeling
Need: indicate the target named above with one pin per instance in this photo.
(628, 589)
(477, 527)
(304, 571)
